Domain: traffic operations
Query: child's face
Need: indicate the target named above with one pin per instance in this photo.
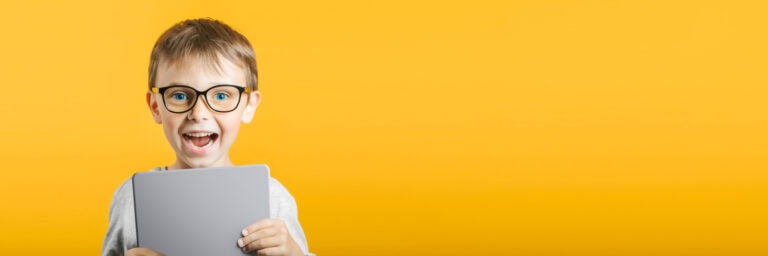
(201, 137)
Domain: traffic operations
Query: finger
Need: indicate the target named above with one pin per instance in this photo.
(280, 250)
(267, 242)
(258, 225)
(142, 252)
(261, 233)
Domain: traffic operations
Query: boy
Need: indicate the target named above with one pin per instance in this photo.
(202, 84)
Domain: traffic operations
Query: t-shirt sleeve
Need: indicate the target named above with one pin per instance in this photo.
(283, 206)
(121, 233)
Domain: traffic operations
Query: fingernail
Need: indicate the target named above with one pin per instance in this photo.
(240, 242)
(245, 232)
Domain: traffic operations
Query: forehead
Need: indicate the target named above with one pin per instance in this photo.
(199, 73)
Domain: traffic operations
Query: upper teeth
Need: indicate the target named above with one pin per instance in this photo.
(199, 134)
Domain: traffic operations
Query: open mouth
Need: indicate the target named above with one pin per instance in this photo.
(200, 139)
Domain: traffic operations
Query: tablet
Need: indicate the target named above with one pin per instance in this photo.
(199, 211)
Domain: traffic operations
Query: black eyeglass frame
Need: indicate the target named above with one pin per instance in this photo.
(162, 90)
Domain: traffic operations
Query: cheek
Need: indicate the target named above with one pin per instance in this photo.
(170, 125)
(230, 126)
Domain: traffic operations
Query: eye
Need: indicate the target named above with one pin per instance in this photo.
(179, 96)
(221, 96)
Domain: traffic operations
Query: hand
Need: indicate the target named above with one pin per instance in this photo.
(142, 252)
(268, 237)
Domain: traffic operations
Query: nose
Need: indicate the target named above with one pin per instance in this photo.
(199, 111)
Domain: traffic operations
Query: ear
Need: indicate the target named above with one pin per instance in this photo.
(154, 107)
(254, 98)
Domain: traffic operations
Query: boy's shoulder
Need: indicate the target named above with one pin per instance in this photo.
(124, 193)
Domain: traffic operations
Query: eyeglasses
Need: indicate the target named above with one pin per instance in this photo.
(220, 98)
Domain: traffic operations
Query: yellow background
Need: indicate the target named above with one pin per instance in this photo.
(417, 127)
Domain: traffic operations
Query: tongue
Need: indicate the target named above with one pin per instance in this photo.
(200, 141)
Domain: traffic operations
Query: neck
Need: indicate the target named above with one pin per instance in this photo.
(180, 165)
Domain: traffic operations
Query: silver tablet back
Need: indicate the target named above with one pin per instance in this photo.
(199, 211)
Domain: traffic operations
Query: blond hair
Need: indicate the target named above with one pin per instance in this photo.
(205, 39)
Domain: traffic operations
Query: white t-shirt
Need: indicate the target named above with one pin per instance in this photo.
(121, 233)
